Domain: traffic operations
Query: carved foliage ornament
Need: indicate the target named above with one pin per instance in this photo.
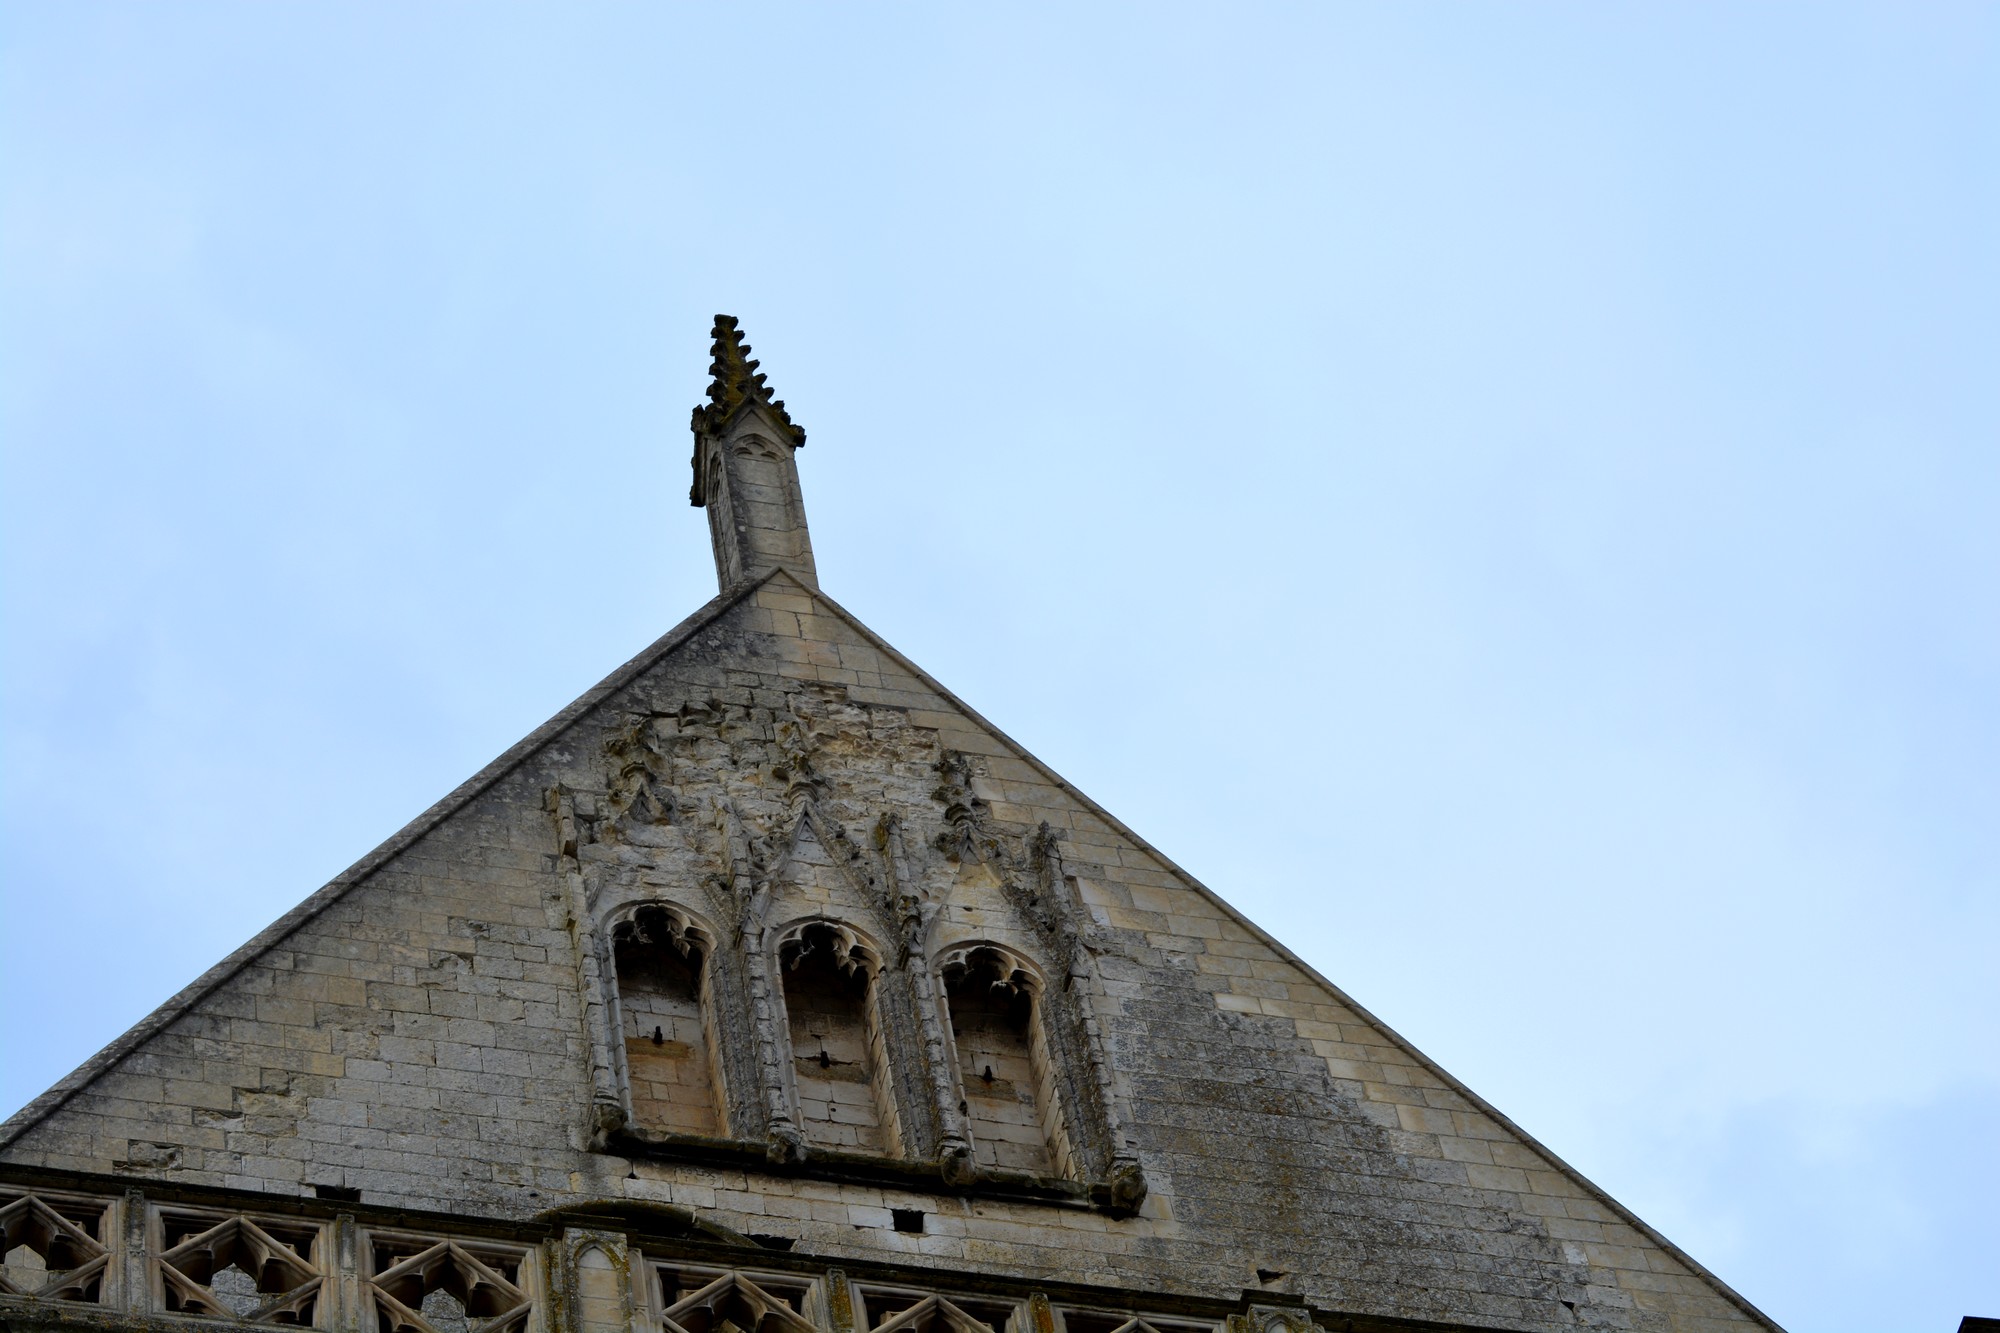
(712, 798)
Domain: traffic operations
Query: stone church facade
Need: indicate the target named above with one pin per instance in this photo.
(769, 988)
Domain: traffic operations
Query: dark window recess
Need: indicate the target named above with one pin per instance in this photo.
(907, 1219)
(337, 1193)
(833, 1045)
(660, 992)
(1001, 1068)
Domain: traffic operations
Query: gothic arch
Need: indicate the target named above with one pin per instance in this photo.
(1006, 1071)
(858, 948)
(664, 1009)
(840, 1077)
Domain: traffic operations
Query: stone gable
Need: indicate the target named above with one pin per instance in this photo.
(422, 1040)
(770, 944)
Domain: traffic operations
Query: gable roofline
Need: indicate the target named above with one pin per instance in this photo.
(1264, 937)
(83, 1075)
(52, 1100)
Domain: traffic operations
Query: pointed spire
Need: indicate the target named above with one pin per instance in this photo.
(734, 384)
(743, 469)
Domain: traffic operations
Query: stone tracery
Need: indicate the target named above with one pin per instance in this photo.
(51, 1251)
(740, 813)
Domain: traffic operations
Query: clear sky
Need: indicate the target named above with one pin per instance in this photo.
(1506, 495)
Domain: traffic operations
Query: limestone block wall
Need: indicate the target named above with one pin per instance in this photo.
(417, 1036)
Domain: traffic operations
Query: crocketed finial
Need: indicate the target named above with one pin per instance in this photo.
(734, 384)
(744, 474)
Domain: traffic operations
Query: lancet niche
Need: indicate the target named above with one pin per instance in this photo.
(806, 940)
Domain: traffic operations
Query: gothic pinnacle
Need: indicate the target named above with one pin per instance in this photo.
(735, 384)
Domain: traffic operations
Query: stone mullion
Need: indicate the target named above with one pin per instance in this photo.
(839, 1302)
(954, 1139)
(559, 1294)
(154, 1243)
(346, 1304)
(129, 1278)
(899, 1010)
(782, 1138)
(894, 1008)
(648, 1306)
(732, 1044)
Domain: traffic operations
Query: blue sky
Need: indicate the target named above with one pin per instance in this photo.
(1505, 495)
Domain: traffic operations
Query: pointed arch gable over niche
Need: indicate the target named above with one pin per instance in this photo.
(824, 1043)
(817, 874)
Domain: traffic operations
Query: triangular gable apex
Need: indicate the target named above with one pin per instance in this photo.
(38, 1110)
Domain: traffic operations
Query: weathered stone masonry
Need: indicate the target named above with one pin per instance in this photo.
(769, 985)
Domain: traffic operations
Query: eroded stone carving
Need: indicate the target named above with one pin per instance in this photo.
(741, 812)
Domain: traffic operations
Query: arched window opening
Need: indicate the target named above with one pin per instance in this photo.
(663, 997)
(1003, 1067)
(839, 1065)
